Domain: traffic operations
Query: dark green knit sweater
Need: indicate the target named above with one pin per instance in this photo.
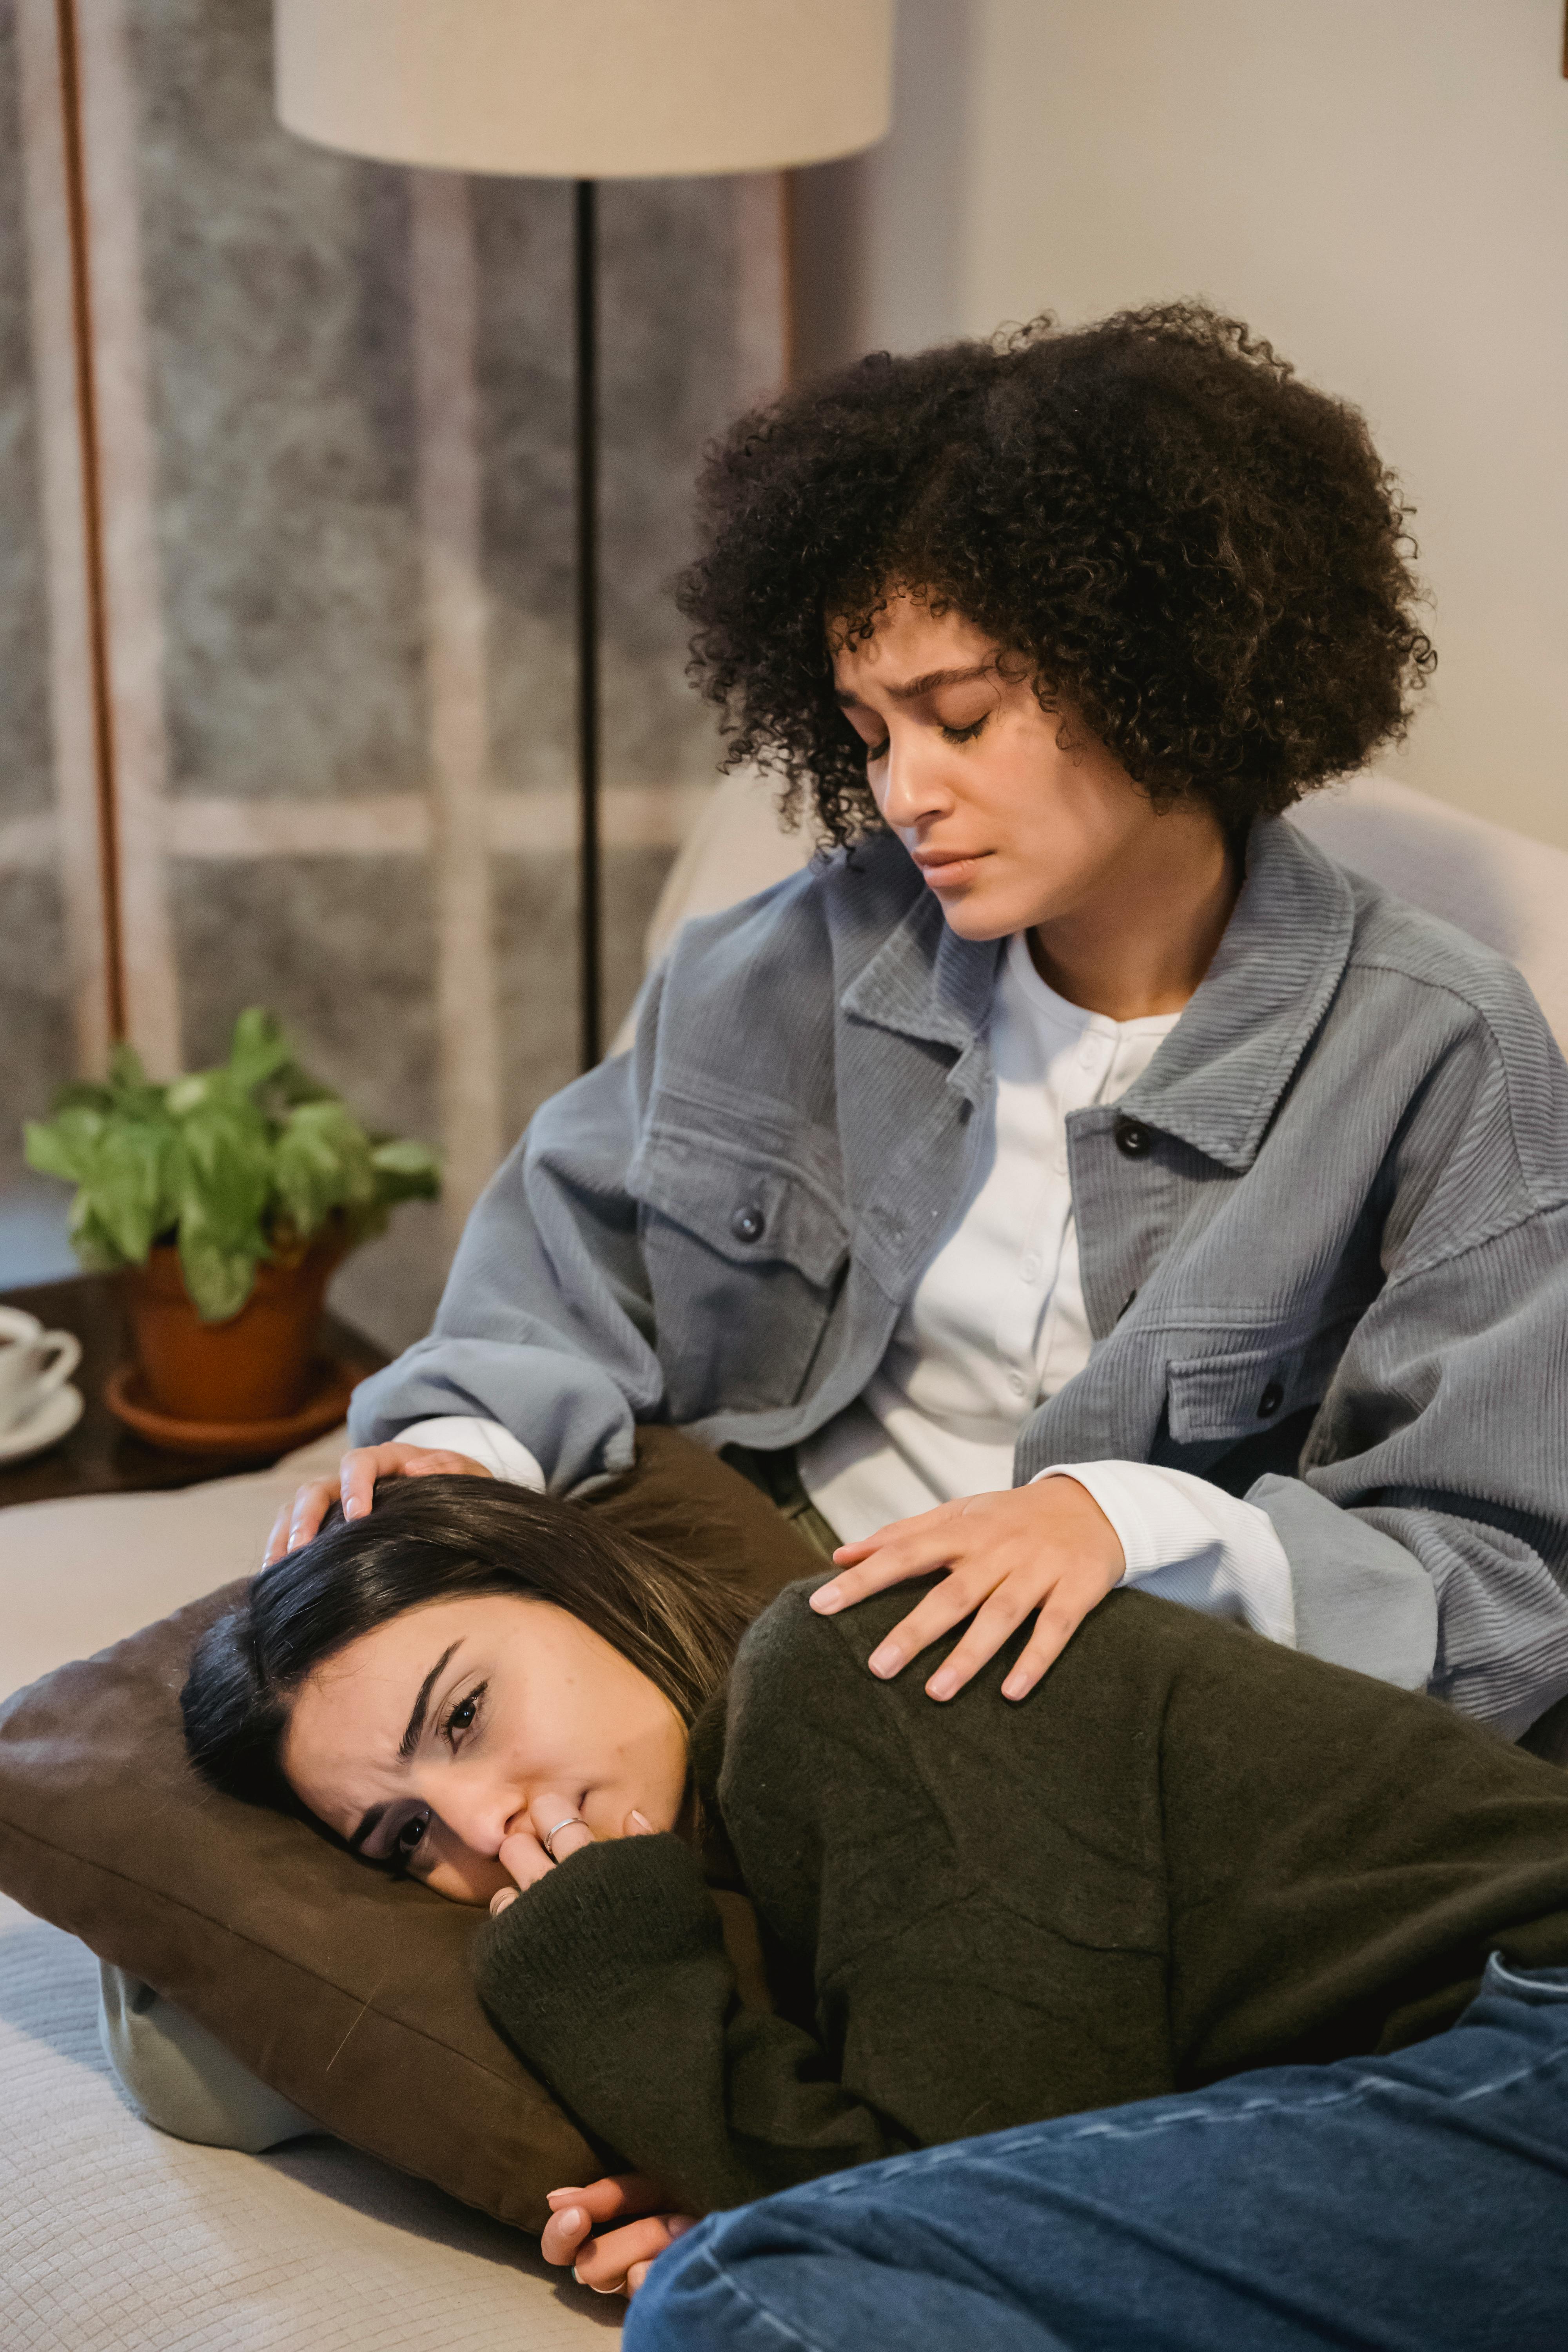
(1188, 1853)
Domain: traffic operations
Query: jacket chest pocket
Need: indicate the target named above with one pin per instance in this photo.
(1219, 1398)
(744, 1251)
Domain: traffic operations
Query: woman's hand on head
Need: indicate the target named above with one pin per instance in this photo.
(354, 1486)
(1046, 1551)
(611, 2262)
(526, 1855)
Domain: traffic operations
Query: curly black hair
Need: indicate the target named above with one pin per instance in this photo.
(1204, 559)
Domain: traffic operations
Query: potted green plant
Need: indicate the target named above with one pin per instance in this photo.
(229, 1197)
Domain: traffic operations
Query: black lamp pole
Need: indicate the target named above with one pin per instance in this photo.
(584, 258)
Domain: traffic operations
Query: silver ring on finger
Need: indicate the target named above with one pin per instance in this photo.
(545, 1841)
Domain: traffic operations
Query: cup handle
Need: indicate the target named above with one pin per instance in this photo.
(63, 1350)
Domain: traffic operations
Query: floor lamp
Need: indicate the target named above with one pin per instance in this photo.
(587, 91)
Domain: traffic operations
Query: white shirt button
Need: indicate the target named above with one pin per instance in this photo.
(1088, 1053)
(1030, 1269)
(1060, 1159)
(1016, 1382)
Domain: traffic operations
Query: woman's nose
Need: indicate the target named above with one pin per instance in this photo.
(913, 792)
(479, 1814)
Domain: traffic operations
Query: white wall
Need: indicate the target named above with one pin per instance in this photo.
(1379, 186)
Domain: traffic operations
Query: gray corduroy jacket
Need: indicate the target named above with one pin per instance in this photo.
(1324, 1240)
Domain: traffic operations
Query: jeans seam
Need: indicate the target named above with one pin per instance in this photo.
(934, 2159)
(786, 2332)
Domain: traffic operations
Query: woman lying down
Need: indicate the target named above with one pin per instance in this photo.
(1189, 1855)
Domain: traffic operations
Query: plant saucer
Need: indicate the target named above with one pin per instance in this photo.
(326, 1402)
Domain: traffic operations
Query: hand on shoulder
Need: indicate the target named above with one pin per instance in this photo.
(1045, 1551)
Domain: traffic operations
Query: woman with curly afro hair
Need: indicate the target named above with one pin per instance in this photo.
(1075, 1176)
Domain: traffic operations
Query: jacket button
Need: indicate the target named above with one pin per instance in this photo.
(746, 1225)
(1132, 1138)
(1269, 1402)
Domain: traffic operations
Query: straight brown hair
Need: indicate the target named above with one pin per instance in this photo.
(438, 1539)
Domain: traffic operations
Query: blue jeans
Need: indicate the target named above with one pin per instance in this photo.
(1417, 2203)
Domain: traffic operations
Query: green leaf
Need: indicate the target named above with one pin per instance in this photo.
(127, 1072)
(120, 1167)
(259, 1049)
(186, 1095)
(83, 1093)
(219, 1276)
(406, 1171)
(223, 1173)
(323, 1162)
(129, 1189)
(130, 1090)
(67, 1146)
(93, 1245)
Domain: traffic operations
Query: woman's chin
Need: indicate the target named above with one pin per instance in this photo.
(975, 914)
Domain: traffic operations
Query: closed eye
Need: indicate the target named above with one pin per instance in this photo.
(965, 734)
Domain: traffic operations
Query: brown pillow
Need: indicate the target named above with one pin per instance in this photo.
(347, 1992)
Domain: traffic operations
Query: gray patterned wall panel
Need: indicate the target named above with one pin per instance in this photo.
(275, 277)
(292, 523)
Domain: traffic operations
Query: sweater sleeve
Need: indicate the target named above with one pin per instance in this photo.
(611, 1978)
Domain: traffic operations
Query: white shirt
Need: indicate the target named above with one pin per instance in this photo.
(996, 1326)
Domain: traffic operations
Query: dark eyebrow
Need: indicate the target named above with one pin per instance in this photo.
(927, 683)
(410, 1739)
(371, 1821)
(406, 1746)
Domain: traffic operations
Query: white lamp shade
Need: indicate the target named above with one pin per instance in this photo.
(587, 90)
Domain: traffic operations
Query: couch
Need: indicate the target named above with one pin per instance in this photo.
(114, 2235)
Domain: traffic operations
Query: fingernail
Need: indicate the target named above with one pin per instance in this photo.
(826, 1598)
(572, 2218)
(642, 1822)
(552, 2194)
(502, 1901)
(353, 1508)
(1016, 1687)
(886, 1660)
(679, 2223)
(942, 1683)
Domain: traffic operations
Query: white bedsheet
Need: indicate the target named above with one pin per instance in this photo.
(116, 2239)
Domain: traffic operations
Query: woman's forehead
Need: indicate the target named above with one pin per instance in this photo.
(908, 636)
(350, 1717)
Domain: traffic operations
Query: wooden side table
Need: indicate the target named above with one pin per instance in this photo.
(98, 1456)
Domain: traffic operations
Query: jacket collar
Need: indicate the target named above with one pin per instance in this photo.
(924, 982)
(1217, 1079)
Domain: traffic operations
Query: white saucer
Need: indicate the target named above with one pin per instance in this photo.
(42, 1427)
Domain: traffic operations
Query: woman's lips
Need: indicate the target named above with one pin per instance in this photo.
(945, 871)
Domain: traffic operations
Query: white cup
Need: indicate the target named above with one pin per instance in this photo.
(34, 1363)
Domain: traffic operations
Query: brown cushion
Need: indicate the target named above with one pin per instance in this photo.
(347, 1992)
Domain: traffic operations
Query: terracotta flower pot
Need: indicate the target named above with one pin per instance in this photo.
(254, 1367)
